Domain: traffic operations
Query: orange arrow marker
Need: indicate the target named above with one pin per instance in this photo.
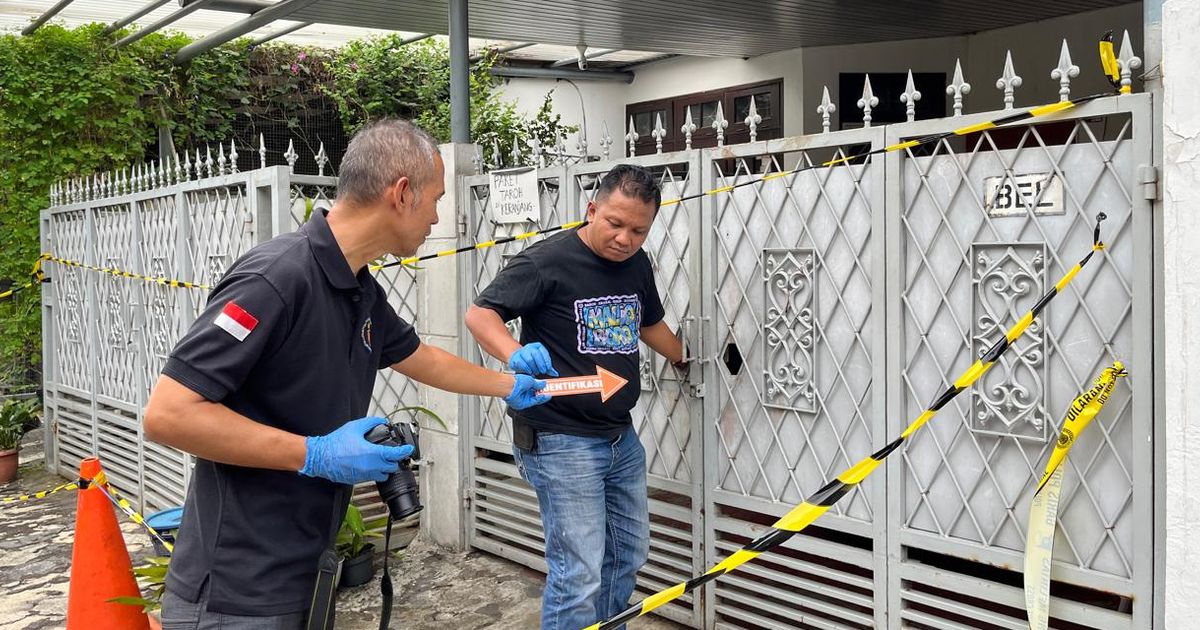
(604, 383)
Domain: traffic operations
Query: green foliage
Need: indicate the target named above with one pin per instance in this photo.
(17, 417)
(352, 537)
(152, 577)
(73, 105)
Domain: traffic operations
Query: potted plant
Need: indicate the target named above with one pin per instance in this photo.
(17, 417)
(358, 566)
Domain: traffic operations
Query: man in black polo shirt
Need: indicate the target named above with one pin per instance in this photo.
(264, 388)
(585, 298)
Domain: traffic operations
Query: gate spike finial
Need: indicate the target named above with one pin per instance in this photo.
(187, 166)
(535, 149)
(1127, 62)
(910, 97)
(199, 165)
(1009, 81)
(496, 155)
(1064, 73)
(753, 120)
(825, 109)
(516, 152)
(291, 156)
(958, 88)
(632, 138)
(208, 161)
(688, 128)
(321, 158)
(262, 152)
(658, 133)
(581, 143)
(606, 141)
(233, 156)
(477, 160)
(560, 145)
(868, 101)
(720, 124)
(221, 162)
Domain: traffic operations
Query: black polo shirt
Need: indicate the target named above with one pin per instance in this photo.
(292, 339)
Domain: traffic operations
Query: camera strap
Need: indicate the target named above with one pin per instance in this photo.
(385, 582)
(329, 571)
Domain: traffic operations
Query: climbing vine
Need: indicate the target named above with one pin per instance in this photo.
(74, 105)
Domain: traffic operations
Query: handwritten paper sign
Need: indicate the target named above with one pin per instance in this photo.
(514, 195)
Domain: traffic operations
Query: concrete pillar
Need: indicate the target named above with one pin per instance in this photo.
(1181, 309)
(439, 322)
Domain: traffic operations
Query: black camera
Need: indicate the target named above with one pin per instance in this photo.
(399, 490)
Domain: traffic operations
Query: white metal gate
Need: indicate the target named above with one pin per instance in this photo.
(106, 338)
(827, 308)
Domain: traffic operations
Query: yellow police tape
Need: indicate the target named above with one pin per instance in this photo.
(1043, 511)
(101, 483)
(39, 495)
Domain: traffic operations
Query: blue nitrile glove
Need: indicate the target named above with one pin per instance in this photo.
(532, 359)
(345, 456)
(525, 392)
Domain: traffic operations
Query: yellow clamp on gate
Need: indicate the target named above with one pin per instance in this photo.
(820, 501)
(1043, 510)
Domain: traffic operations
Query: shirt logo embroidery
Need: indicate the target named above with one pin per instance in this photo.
(366, 334)
(234, 320)
(609, 325)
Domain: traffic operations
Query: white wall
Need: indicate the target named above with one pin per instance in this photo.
(605, 101)
(601, 101)
(685, 75)
(1035, 47)
(1181, 307)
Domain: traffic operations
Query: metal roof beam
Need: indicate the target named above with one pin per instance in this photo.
(583, 57)
(237, 29)
(166, 21)
(502, 50)
(133, 17)
(45, 17)
(233, 6)
(280, 33)
(562, 73)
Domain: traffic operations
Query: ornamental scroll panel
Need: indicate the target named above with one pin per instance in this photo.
(789, 295)
(1010, 399)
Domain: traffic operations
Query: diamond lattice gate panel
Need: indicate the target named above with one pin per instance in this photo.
(794, 267)
(983, 225)
(504, 512)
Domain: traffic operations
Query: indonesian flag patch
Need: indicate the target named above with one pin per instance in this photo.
(236, 321)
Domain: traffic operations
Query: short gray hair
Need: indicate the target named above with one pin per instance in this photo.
(381, 153)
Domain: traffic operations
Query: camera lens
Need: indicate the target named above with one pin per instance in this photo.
(399, 491)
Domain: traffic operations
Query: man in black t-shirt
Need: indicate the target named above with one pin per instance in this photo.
(264, 387)
(585, 298)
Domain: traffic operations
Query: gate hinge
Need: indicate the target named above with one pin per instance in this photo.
(462, 223)
(1148, 178)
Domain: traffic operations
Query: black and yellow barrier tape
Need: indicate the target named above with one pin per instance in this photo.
(38, 277)
(101, 482)
(820, 501)
(40, 495)
(484, 245)
(1043, 510)
(121, 273)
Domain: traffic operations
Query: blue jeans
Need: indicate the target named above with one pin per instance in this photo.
(592, 495)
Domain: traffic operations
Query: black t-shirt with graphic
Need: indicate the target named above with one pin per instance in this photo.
(588, 312)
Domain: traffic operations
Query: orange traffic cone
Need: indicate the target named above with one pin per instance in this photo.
(100, 565)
